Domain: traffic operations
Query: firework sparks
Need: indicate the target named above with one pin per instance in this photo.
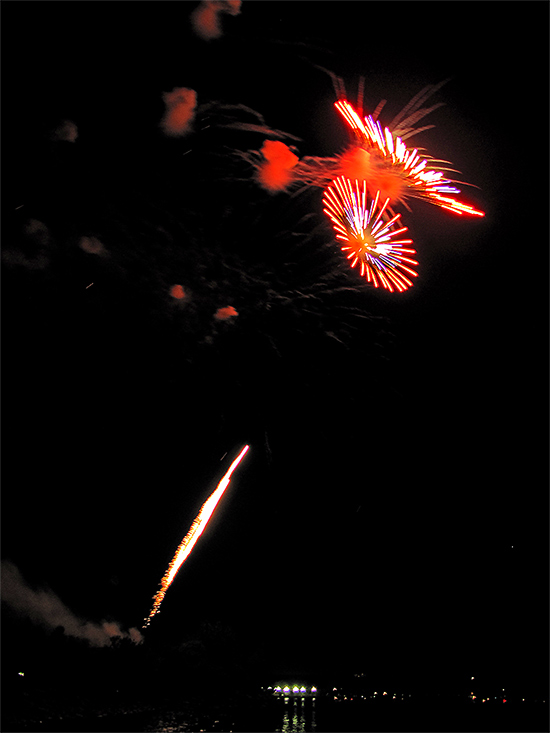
(190, 539)
(420, 175)
(368, 238)
(378, 155)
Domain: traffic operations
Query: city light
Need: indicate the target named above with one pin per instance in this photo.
(296, 690)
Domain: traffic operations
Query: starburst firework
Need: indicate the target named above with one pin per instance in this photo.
(419, 174)
(368, 238)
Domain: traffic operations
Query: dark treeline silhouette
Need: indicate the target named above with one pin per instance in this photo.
(215, 678)
(50, 677)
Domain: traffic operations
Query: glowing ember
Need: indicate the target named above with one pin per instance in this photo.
(190, 539)
(368, 238)
(418, 173)
(223, 314)
(275, 173)
(177, 291)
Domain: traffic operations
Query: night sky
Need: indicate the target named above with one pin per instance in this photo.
(393, 509)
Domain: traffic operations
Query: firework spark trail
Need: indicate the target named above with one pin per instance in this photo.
(368, 238)
(190, 539)
(408, 166)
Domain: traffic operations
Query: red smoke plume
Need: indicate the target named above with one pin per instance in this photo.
(275, 173)
(205, 19)
(222, 314)
(176, 291)
(180, 111)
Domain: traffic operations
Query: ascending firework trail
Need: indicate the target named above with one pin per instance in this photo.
(188, 542)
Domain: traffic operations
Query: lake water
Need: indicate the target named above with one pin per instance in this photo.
(318, 716)
(322, 716)
(298, 718)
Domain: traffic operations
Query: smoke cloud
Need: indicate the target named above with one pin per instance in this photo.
(275, 173)
(92, 246)
(180, 111)
(66, 130)
(223, 314)
(177, 292)
(45, 608)
(205, 19)
(358, 163)
(31, 249)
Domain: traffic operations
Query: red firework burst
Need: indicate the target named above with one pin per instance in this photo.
(368, 238)
(418, 174)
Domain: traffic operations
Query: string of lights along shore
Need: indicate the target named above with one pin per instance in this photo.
(189, 541)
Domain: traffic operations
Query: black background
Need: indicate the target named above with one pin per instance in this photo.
(393, 509)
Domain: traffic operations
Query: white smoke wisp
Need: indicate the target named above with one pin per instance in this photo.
(43, 607)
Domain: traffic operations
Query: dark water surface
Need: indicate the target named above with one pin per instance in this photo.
(322, 716)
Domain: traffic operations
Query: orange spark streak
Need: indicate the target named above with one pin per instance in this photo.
(190, 539)
(423, 182)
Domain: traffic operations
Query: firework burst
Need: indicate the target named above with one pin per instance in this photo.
(419, 176)
(378, 155)
(368, 238)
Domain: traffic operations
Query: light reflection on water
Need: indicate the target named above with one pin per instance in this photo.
(298, 718)
(170, 722)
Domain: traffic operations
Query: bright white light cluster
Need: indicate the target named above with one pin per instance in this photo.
(294, 690)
